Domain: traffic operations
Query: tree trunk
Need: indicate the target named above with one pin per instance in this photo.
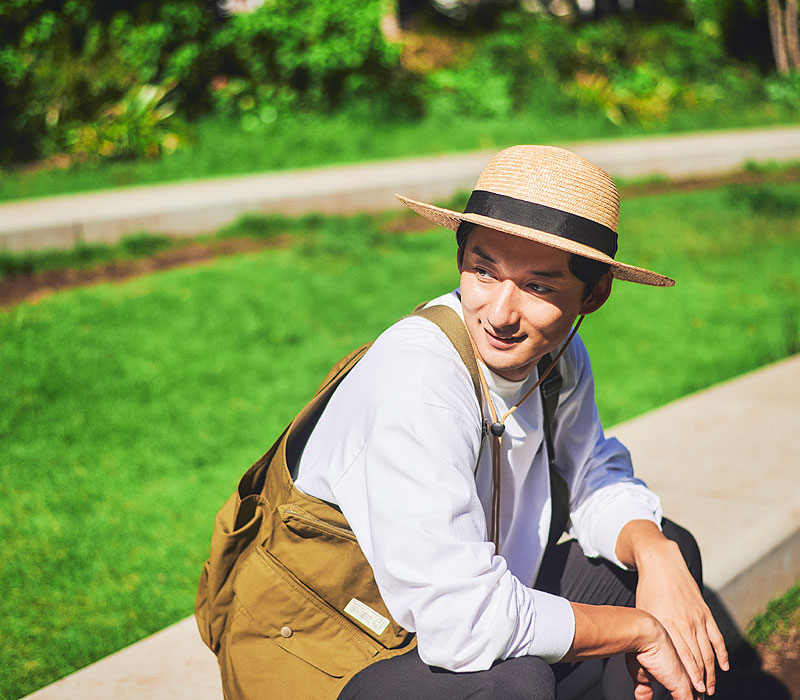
(777, 36)
(792, 39)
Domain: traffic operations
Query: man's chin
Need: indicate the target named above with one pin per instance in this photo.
(513, 371)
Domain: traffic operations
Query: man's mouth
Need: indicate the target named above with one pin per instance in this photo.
(503, 341)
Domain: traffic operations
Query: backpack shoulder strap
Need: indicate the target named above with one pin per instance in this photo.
(453, 327)
(549, 389)
(455, 330)
(559, 491)
(443, 316)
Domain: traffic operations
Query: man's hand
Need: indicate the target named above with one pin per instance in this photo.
(648, 667)
(603, 630)
(667, 590)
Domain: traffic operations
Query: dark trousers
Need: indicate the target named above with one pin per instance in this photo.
(565, 571)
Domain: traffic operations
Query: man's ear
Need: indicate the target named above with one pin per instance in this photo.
(460, 258)
(599, 295)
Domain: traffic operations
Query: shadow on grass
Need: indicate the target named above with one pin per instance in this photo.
(746, 680)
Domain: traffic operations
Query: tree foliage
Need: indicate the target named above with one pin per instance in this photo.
(66, 64)
(118, 78)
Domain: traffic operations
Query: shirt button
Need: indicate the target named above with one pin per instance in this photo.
(286, 632)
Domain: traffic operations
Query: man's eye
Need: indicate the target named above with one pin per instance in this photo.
(538, 288)
(481, 272)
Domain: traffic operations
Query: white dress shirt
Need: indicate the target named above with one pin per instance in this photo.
(396, 449)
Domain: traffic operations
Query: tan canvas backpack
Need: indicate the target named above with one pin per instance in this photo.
(287, 601)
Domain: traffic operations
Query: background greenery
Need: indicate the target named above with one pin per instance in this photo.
(128, 412)
(300, 82)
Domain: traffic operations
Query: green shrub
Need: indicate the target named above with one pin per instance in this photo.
(642, 73)
(784, 90)
(313, 53)
(626, 72)
(78, 76)
(140, 125)
(69, 66)
(506, 70)
(64, 62)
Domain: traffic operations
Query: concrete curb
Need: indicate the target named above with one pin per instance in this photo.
(725, 466)
(202, 206)
(173, 663)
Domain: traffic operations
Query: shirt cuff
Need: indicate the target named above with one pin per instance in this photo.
(554, 627)
(614, 519)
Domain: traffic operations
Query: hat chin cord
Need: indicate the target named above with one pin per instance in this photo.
(497, 428)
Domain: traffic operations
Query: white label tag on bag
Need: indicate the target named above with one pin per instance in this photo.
(371, 619)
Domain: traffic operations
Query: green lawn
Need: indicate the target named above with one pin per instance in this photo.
(219, 147)
(775, 623)
(128, 412)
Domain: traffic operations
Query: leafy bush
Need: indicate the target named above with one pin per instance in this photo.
(69, 66)
(625, 72)
(140, 125)
(313, 53)
(506, 70)
(476, 90)
(63, 62)
(90, 78)
(642, 73)
(784, 90)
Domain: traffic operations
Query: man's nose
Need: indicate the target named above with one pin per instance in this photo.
(503, 309)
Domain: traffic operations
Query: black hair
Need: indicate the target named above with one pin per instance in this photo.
(463, 230)
(586, 270)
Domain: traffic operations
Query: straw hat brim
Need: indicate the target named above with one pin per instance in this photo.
(451, 219)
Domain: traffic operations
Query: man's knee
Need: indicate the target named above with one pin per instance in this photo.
(523, 678)
(407, 677)
(688, 546)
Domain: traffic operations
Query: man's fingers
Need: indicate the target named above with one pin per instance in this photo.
(699, 654)
(691, 660)
(708, 662)
(718, 642)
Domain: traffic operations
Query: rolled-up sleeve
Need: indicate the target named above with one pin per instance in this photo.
(411, 500)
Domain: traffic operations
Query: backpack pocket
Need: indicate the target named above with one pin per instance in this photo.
(236, 528)
(324, 554)
(282, 612)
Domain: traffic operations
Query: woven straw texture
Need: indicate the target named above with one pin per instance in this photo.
(556, 178)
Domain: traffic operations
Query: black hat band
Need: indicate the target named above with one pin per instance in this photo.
(543, 218)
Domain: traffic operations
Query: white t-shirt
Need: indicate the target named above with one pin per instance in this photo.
(396, 449)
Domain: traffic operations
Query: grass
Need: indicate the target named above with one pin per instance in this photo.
(774, 623)
(84, 255)
(143, 245)
(220, 147)
(128, 412)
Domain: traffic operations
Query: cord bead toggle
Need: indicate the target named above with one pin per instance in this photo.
(497, 428)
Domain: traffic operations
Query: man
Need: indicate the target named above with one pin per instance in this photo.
(455, 531)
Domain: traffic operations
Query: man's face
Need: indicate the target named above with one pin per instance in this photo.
(519, 299)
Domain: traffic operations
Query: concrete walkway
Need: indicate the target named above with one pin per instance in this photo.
(189, 208)
(725, 462)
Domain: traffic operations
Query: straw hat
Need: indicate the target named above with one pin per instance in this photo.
(551, 196)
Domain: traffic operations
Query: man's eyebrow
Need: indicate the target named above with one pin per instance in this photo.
(554, 274)
(482, 254)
